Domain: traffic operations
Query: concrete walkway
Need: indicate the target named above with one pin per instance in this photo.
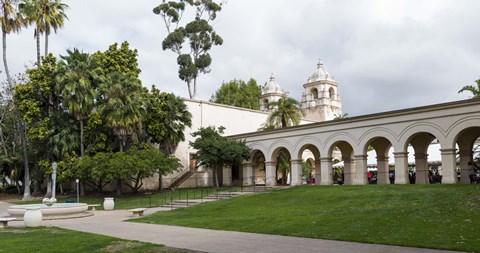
(111, 223)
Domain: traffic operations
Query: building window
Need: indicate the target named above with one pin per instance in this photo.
(315, 93)
(332, 93)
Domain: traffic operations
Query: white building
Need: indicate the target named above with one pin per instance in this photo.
(322, 106)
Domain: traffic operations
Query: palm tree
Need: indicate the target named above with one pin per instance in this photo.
(12, 21)
(474, 90)
(284, 113)
(177, 118)
(122, 107)
(46, 15)
(78, 86)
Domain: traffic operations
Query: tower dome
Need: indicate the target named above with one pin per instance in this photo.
(320, 74)
(271, 86)
(271, 92)
(321, 100)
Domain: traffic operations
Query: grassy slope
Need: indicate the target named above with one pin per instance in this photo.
(51, 240)
(431, 216)
(139, 200)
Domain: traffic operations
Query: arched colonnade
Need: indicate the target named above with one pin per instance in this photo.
(455, 126)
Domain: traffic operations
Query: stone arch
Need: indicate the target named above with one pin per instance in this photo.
(276, 145)
(376, 133)
(307, 142)
(382, 146)
(306, 149)
(279, 168)
(460, 125)
(419, 127)
(258, 168)
(420, 142)
(347, 176)
(468, 146)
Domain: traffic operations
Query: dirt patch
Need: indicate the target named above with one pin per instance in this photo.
(14, 231)
(121, 245)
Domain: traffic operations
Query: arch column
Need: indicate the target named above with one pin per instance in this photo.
(270, 174)
(296, 172)
(449, 165)
(247, 177)
(401, 167)
(421, 166)
(382, 170)
(326, 171)
(348, 171)
(318, 171)
(360, 169)
(227, 175)
(465, 157)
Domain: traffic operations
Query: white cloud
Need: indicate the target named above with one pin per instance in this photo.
(386, 54)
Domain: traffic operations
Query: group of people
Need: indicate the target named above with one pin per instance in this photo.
(473, 173)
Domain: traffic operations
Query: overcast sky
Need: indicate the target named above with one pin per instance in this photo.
(385, 54)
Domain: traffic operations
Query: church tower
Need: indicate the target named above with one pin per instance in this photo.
(320, 99)
(271, 92)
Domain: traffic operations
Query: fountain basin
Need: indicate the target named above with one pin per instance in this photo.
(55, 211)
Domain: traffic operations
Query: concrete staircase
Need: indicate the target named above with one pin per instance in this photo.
(180, 179)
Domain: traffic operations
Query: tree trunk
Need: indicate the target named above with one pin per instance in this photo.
(47, 32)
(119, 187)
(26, 189)
(82, 188)
(36, 181)
(194, 87)
(160, 186)
(190, 94)
(37, 37)
(82, 148)
(4, 145)
(49, 187)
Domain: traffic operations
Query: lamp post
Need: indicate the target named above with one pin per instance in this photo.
(78, 190)
(54, 178)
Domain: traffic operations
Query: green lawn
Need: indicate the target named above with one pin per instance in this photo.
(51, 240)
(142, 200)
(430, 216)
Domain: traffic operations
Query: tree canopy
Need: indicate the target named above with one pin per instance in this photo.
(191, 41)
(238, 93)
(284, 113)
(215, 151)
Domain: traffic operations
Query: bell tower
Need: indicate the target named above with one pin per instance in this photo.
(321, 100)
(271, 92)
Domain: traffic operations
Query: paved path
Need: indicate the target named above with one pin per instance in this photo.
(111, 223)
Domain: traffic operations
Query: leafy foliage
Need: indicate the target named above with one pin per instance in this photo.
(118, 59)
(166, 118)
(471, 88)
(284, 113)
(214, 150)
(197, 36)
(238, 93)
(135, 165)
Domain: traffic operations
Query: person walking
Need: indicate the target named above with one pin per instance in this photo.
(471, 171)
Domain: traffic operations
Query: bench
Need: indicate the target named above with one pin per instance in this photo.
(93, 206)
(4, 221)
(137, 212)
